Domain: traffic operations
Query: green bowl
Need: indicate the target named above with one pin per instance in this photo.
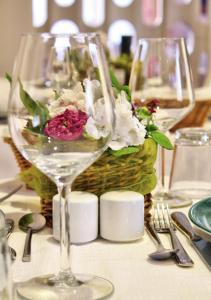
(200, 214)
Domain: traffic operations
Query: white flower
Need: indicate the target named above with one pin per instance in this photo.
(92, 129)
(129, 131)
(96, 125)
(69, 99)
(74, 99)
(94, 88)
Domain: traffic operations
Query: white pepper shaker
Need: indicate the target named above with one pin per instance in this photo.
(121, 216)
(83, 208)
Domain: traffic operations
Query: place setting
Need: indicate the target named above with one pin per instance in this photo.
(93, 193)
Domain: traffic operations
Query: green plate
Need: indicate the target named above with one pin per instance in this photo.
(200, 214)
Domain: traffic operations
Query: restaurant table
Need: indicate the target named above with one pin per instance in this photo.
(126, 265)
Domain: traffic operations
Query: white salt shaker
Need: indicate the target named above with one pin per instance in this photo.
(83, 208)
(121, 216)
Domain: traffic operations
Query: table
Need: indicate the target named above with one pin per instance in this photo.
(126, 265)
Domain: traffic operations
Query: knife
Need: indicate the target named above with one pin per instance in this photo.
(202, 247)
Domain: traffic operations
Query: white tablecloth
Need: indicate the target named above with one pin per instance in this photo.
(126, 265)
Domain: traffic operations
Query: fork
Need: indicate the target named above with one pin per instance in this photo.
(164, 224)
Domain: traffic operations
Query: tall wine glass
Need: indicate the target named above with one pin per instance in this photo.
(61, 119)
(161, 71)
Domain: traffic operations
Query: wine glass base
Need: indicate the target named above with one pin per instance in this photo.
(173, 200)
(90, 288)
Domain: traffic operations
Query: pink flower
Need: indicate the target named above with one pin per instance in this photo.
(67, 126)
(152, 105)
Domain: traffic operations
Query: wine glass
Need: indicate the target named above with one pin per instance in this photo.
(61, 119)
(5, 262)
(161, 72)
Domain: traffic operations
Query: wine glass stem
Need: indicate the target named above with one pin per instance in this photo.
(162, 190)
(161, 166)
(65, 273)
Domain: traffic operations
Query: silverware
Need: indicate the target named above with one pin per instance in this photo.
(9, 225)
(30, 223)
(163, 224)
(9, 228)
(15, 190)
(202, 247)
(161, 253)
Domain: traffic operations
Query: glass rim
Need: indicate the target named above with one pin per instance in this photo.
(193, 136)
(61, 35)
(155, 39)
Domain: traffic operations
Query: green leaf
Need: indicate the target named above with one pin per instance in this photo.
(9, 78)
(161, 139)
(36, 109)
(87, 136)
(114, 81)
(35, 130)
(127, 91)
(28, 102)
(151, 127)
(124, 151)
(118, 86)
(56, 94)
(143, 113)
(43, 113)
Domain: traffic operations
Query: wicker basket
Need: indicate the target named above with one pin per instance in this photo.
(131, 172)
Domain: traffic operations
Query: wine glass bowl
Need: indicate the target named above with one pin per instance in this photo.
(160, 71)
(161, 77)
(61, 119)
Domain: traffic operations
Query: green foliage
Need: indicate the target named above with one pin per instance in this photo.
(118, 86)
(143, 113)
(9, 78)
(161, 139)
(151, 127)
(38, 110)
(124, 151)
(56, 94)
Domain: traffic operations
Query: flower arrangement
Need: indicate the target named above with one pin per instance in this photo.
(64, 118)
(135, 122)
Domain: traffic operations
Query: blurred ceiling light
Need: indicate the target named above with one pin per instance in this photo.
(180, 2)
(182, 29)
(64, 26)
(152, 12)
(116, 30)
(39, 12)
(123, 3)
(64, 3)
(93, 12)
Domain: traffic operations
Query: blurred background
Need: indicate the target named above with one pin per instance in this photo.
(120, 22)
(137, 18)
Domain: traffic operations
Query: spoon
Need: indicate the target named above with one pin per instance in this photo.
(9, 228)
(161, 253)
(30, 223)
